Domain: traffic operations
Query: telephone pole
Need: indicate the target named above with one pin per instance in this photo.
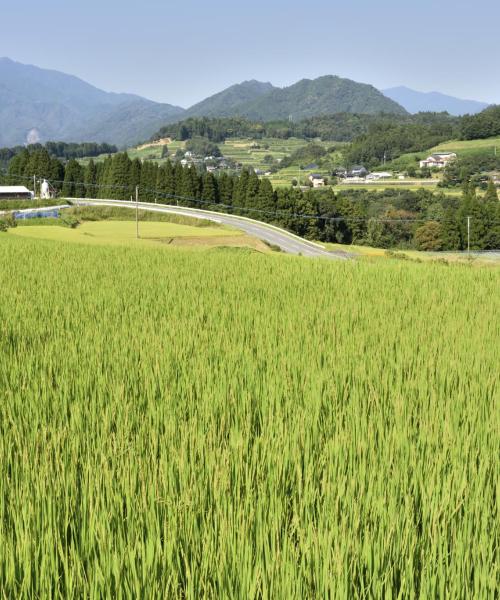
(137, 211)
(468, 235)
(34, 187)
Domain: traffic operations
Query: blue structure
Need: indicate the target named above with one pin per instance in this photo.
(38, 214)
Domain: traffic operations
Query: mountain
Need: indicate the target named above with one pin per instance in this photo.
(226, 102)
(415, 102)
(306, 98)
(40, 105)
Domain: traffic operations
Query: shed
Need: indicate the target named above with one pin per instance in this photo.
(15, 192)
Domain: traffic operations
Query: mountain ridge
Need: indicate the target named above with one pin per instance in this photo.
(47, 104)
(328, 94)
(414, 101)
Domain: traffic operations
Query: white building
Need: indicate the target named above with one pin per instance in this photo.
(317, 180)
(15, 192)
(379, 175)
(439, 160)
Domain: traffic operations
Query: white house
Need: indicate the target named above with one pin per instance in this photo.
(15, 192)
(439, 160)
(317, 180)
(379, 175)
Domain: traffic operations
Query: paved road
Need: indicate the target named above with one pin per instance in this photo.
(288, 242)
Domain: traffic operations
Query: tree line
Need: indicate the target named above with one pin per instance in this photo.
(389, 219)
(340, 127)
(64, 150)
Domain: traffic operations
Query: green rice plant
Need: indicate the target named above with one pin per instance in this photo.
(220, 425)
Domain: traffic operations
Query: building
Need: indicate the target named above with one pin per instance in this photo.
(317, 180)
(379, 175)
(357, 171)
(15, 192)
(439, 160)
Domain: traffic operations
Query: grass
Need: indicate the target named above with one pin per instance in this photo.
(234, 425)
(22, 204)
(123, 233)
(369, 252)
(468, 147)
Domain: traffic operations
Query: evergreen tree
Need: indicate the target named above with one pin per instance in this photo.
(491, 192)
(225, 185)
(240, 191)
(451, 233)
(73, 180)
(147, 185)
(119, 184)
(135, 169)
(253, 186)
(209, 191)
(266, 200)
(90, 179)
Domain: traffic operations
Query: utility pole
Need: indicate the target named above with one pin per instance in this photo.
(34, 187)
(468, 235)
(137, 211)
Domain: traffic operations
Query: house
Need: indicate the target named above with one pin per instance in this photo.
(317, 180)
(15, 192)
(438, 160)
(357, 171)
(378, 176)
(310, 167)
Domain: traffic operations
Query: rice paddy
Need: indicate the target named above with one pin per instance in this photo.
(219, 425)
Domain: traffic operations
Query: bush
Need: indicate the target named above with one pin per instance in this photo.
(7, 222)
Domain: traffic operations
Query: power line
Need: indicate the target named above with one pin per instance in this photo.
(232, 207)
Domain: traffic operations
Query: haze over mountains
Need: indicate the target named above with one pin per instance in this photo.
(49, 105)
(41, 105)
(415, 102)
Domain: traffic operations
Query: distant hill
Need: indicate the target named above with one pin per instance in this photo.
(225, 103)
(415, 102)
(40, 105)
(306, 98)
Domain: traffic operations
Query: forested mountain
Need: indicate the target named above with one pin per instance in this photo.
(321, 96)
(339, 127)
(415, 102)
(226, 103)
(484, 125)
(39, 105)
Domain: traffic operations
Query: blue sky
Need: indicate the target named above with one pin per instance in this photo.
(181, 52)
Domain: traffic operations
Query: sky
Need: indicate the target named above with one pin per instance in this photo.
(181, 52)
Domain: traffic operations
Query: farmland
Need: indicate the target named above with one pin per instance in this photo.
(244, 426)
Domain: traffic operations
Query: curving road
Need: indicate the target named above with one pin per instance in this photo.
(288, 242)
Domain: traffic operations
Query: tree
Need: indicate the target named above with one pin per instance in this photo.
(491, 192)
(266, 201)
(451, 233)
(253, 185)
(209, 191)
(73, 180)
(90, 179)
(429, 236)
(240, 190)
(225, 185)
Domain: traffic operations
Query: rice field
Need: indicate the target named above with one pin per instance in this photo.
(219, 425)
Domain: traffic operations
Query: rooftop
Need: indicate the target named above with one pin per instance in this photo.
(14, 189)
